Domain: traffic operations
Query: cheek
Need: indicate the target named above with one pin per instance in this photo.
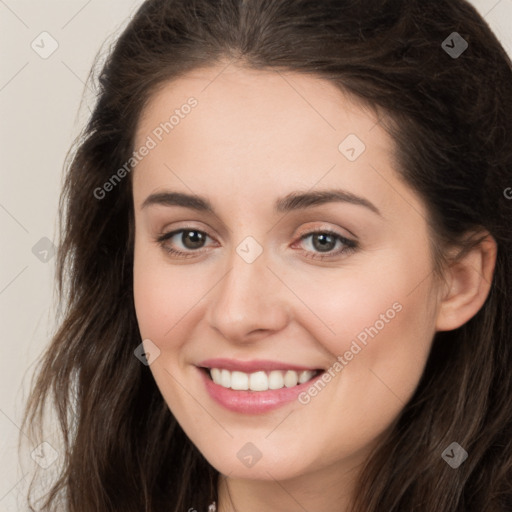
(160, 301)
(363, 304)
(377, 323)
(167, 304)
(387, 318)
(383, 327)
(168, 298)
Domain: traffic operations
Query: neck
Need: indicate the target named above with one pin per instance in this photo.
(327, 490)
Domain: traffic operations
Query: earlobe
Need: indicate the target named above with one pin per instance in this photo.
(468, 283)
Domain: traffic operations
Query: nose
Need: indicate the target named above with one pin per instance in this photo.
(250, 302)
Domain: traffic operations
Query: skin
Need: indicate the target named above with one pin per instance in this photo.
(255, 137)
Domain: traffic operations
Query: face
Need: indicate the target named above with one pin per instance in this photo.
(304, 267)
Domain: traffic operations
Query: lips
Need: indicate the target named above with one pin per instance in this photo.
(252, 366)
(247, 401)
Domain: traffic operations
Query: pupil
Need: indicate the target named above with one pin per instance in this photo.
(327, 242)
(195, 237)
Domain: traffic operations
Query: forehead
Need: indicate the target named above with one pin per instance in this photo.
(260, 133)
(264, 101)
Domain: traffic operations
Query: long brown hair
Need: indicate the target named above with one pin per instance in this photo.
(451, 118)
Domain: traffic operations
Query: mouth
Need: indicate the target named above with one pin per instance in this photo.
(259, 391)
(259, 380)
(257, 386)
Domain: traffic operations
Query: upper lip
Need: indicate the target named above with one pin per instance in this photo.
(251, 366)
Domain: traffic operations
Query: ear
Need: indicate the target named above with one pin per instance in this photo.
(468, 281)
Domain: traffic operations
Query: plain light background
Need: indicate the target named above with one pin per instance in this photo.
(43, 106)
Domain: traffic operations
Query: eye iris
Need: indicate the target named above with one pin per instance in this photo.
(197, 239)
(327, 242)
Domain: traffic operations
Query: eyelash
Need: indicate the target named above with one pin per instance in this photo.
(349, 245)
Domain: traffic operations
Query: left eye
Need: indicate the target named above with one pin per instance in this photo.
(321, 243)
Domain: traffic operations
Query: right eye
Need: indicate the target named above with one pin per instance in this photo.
(191, 241)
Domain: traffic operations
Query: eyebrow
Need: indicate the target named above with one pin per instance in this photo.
(292, 201)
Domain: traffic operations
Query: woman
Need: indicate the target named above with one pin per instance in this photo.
(287, 240)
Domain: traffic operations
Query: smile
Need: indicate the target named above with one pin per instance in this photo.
(255, 387)
(260, 380)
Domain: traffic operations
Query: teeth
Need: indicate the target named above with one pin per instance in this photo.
(305, 376)
(225, 378)
(290, 378)
(260, 381)
(239, 380)
(275, 380)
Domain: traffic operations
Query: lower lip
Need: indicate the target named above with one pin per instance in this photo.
(253, 402)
